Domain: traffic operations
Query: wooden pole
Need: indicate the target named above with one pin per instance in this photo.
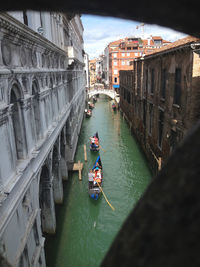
(79, 171)
(85, 153)
(159, 163)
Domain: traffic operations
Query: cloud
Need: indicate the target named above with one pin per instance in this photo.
(100, 31)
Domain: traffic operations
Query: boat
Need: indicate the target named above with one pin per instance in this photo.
(95, 180)
(94, 142)
(88, 113)
(114, 106)
(91, 106)
(94, 99)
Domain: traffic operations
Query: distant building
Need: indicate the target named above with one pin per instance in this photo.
(86, 68)
(121, 53)
(92, 71)
(160, 97)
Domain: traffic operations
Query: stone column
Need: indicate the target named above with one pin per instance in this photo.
(56, 173)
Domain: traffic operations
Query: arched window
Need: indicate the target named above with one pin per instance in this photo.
(36, 110)
(17, 121)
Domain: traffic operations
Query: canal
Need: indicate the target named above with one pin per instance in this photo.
(86, 228)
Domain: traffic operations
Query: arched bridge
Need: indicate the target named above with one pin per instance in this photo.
(109, 92)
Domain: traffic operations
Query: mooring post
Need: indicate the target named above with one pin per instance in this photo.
(85, 153)
(79, 170)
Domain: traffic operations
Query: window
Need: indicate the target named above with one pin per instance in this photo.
(115, 71)
(115, 79)
(123, 54)
(128, 97)
(123, 62)
(17, 122)
(25, 17)
(114, 55)
(128, 48)
(152, 81)
(173, 140)
(128, 62)
(163, 83)
(177, 89)
(136, 54)
(150, 118)
(128, 54)
(115, 63)
(160, 127)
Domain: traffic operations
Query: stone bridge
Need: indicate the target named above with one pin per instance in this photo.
(109, 92)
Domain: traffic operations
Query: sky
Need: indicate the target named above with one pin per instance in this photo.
(100, 31)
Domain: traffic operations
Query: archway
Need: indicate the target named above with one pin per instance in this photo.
(46, 201)
(17, 122)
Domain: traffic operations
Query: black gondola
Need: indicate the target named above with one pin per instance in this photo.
(88, 113)
(94, 142)
(95, 180)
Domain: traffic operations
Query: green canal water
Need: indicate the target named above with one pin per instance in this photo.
(85, 227)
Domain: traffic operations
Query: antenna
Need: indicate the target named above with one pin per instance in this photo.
(142, 27)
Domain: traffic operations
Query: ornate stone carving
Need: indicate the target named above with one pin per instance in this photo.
(43, 60)
(23, 56)
(34, 59)
(48, 61)
(6, 52)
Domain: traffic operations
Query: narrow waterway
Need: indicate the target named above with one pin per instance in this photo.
(86, 228)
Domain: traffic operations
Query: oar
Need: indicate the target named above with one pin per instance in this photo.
(105, 196)
(102, 148)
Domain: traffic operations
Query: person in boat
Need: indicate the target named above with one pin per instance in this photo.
(97, 178)
(98, 165)
(90, 177)
(96, 140)
(92, 139)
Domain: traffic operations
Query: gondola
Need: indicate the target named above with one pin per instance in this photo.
(94, 99)
(94, 142)
(95, 180)
(114, 106)
(88, 113)
(91, 106)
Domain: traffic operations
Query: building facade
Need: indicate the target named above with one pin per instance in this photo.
(86, 68)
(42, 96)
(124, 51)
(92, 71)
(162, 103)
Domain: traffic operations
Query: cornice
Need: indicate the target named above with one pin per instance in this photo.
(26, 34)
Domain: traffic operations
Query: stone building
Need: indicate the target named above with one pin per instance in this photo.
(42, 96)
(160, 100)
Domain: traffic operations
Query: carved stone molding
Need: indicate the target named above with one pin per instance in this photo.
(23, 56)
(34, 59)
(26, 103)
(4, 115)
(6, 52)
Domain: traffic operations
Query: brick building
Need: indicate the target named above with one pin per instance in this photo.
(160, 101)
(122, 52)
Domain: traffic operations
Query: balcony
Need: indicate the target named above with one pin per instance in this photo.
(73, 54)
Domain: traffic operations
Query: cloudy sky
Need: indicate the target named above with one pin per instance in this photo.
(100, 31)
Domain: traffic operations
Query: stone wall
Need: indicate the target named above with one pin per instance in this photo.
(158, 122)
(41, 110)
